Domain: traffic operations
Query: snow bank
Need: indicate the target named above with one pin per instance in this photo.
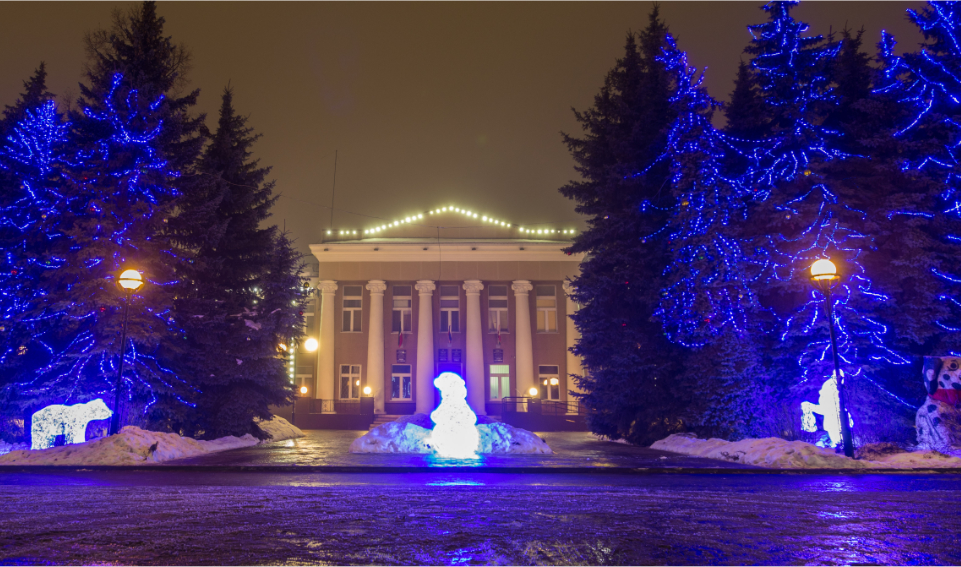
(408, 435)
(279, 429)
(132, 446)
(776, 453)
(7, 447)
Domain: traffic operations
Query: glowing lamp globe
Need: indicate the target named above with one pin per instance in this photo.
(303, 390)
(367, 390)
(311, 344)
(554, 382)
(824, 270)
(532, 392)
(130, 280)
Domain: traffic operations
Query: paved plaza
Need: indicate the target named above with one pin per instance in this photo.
(308, 501)
(330, 449)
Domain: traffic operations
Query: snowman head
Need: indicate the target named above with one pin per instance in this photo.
(451, 386)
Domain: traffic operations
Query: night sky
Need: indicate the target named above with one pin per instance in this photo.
(427, 104)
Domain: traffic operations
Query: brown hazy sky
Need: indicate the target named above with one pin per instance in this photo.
(428, 103)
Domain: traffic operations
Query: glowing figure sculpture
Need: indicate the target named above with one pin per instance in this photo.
(69, 421)
(454, 434)
(829, 407)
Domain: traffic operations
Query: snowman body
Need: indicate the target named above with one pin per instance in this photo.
(455, 433)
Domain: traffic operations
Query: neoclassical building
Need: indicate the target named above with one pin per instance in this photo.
(443, 290)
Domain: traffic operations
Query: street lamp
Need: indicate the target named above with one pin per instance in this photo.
(824, 276)
(129, 281)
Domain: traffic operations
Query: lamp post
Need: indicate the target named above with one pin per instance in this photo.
(129, 281)
(824, 276)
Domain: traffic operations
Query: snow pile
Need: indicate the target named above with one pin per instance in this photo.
(393, 437)
(7, 447)
(408, 435)
(132, 446)
(278, 429)
(776, 453)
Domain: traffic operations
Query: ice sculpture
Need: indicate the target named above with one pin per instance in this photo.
(69, 421)
(829, 406)
(454, 434)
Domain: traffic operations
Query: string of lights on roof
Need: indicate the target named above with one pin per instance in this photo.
(418, 218)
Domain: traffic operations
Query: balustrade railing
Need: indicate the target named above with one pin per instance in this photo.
(542, 407)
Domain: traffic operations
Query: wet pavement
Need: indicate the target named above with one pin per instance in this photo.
(309, 501)
(210, 518)
(572, 450)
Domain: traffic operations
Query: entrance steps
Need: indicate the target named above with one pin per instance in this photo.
(381, 419)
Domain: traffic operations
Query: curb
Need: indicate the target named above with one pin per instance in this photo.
(334, 469)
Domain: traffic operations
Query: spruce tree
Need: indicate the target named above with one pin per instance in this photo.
(115, 195)
(706, 283)
(814, 201)
(32, 160)
(34, 94)
(231, 296)
(927, 84)
(707, 303)
(746, 113)
(631, 369)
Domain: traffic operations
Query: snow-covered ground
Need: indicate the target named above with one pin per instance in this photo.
(410, 434)
(776, 453)
(135, 446)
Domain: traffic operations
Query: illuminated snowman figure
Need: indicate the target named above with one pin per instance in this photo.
(454, 434)
(828, 406)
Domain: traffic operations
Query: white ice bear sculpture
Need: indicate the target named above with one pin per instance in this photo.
(454, 434)
(828, 406)
(69, 421)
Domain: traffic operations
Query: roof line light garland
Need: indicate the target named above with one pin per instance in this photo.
(114, 193)
(928, 85)
(418, 218)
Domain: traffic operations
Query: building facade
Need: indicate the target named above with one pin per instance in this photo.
(393, 308)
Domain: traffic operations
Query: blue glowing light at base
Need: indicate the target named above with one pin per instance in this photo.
(454, 434)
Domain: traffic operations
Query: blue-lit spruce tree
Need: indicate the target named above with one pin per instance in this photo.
(927, 137)
(30, 211)
(707, 303)
(116, 193)
(807, 208)
(630, 367)
(239, 297)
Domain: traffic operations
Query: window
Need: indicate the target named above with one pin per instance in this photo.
(546, 309)
(449, 309)
(349, 382)
(497, 307)
(400, 382)
(353, 302)
(500, 381)
(550, 384)
(401, 316)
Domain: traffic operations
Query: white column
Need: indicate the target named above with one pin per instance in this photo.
(325, 357)
(424, 376)
(475, 349)
(573, 361)
(525, 346)
(375, 343)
